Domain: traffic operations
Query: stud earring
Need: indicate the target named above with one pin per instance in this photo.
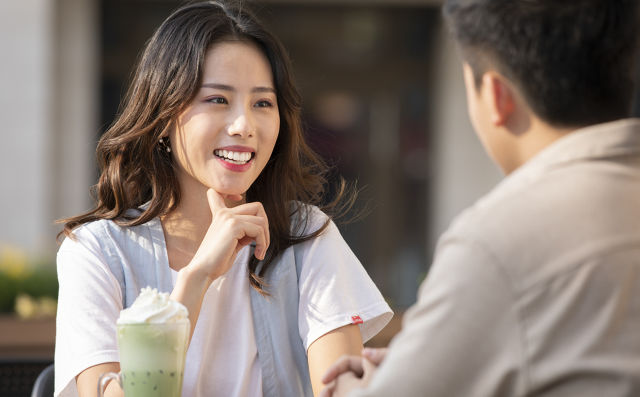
(164, 145)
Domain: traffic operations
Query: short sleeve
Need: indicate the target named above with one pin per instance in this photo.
(335, 290)
(463, 336)
(89, 302)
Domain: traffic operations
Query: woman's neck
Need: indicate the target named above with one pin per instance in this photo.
(185, 227)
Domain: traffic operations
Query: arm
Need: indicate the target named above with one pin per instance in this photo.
(89, 300)
(336, 295)
(87, 380)
(231, 229)
(461, 338)
(325, 350)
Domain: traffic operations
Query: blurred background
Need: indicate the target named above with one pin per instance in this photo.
(383, 101)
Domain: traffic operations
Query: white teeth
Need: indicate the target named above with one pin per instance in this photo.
(233, 157)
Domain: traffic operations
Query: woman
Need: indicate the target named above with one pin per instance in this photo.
(208, 191)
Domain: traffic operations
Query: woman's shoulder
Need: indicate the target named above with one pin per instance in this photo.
(306, 218)
(103, 230)
(96, 229)
(87, 231)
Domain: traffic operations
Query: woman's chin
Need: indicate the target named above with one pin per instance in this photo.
(231, 193)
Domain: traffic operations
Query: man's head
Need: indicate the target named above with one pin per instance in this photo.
(572, 61)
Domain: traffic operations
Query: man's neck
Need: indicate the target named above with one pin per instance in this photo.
(538, 136)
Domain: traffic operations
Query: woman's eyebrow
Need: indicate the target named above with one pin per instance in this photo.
(226, 87)
(263, 89)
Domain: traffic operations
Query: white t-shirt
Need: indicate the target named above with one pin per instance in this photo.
(335, 290)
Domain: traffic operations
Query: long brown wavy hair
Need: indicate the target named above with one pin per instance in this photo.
(135, 169)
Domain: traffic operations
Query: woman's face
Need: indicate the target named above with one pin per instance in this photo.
(225, 136)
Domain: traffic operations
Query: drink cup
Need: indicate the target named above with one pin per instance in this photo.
(151, 359)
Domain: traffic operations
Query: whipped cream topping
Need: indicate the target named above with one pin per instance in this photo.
(155, 307)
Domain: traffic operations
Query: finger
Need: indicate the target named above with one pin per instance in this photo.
(375, 355)
(368, 367)
(256, 209)
(346, 383)
(328, 390)
(256, 220)
(261, 249)
(263, 214)
(344, 364)
(256, 232)
(216, 201)
(369, 370)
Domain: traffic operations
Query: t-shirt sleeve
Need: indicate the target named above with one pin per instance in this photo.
(462, 337)
(89, 302)
(335, 290)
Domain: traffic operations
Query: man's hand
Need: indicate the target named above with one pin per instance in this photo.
(352, 372)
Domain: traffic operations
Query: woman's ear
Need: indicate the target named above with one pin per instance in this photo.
(499, 97)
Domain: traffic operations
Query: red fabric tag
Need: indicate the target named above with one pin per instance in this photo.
(356, 320)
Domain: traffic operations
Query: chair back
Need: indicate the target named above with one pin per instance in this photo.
(44, 383)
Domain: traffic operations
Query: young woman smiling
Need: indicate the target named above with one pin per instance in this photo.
(208, 191)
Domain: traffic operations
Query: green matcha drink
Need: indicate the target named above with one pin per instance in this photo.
(152, 358)
(153, 335)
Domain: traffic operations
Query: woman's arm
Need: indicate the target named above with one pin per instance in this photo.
(89, 300)
(328, 348)
(87, 381)
(231, 229)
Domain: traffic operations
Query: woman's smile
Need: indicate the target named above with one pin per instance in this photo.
(235, 158)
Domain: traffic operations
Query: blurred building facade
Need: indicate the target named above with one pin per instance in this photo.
(383, 97)
(48, 107)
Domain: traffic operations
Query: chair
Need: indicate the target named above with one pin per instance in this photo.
(44, 383)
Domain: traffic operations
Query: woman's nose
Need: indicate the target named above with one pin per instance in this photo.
(242, 124)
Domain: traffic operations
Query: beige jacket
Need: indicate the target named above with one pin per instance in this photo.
(535, 290)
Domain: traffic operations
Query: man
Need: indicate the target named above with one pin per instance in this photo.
(534, 290)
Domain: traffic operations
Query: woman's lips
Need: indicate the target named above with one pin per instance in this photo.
(235, 158)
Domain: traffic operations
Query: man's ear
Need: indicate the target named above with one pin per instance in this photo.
(499, 96)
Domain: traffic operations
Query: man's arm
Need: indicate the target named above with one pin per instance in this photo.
(461, 338)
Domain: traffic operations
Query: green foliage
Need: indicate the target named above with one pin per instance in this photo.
(20, 275)
(8, 292)
(38, 283)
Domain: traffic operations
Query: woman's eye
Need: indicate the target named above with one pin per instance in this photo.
(218, 99)
(264, 104)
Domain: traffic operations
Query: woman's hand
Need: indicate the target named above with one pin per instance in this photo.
(231, 230)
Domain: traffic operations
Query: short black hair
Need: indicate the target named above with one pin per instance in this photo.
(573, 60)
